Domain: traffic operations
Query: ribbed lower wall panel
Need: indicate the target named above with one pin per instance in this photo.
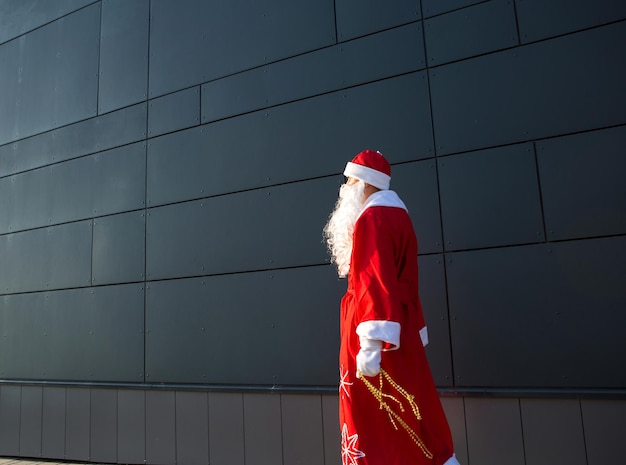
(170, 427)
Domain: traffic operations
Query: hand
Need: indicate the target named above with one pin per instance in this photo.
(368, 358)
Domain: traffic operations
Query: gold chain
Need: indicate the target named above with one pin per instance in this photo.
(380, 396)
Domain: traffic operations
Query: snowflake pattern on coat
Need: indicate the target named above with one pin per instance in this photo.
(343, 383)
(349, 453)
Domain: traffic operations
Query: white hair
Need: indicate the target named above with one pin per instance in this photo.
(340, 227)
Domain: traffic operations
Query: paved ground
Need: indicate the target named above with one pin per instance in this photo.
(14, 461)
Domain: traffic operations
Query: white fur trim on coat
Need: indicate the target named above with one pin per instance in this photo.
(424, 336)
(382, 330)
(383, 199)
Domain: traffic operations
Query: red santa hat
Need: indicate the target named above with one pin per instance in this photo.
(371, 167)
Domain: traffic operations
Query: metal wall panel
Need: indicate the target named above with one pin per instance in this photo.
(504, 298)
(416, 184)
(53, 423)
(77, 423)
(226, 428)
(494, 431)
(187, 319)
(360, 17)
(100, 184)
(16, 327)
(604, 425)
(51, 258)
(240, 232)
(10, 399)
(303, 441)
(10, 75)
(454, 407)
(582, 184)
(539, 19)
(93, 135)
(131, 426)
(301, 140)
(161, 427)
(553, 431)
(479, 29)
(192, 428)
(123, 68)
(57, 76)
(432, 285)
(437, 7)
(30, 421)
(173, 112)
(119, 248)
(262, 429)
(21, 16)
(332, 435)
(25, 201)
(326, 70)
(490, 198)
(218, 41)
(103, 428)
(43, 331)
(501, 98)
(118, 179)
(591, 273)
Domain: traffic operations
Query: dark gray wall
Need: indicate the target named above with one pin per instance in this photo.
(166, 169)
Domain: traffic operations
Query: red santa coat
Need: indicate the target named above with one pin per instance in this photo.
(382, 302)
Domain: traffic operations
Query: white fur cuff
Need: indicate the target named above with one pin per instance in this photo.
(382, 330)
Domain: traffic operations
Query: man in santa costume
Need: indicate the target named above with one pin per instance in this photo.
(390, 412)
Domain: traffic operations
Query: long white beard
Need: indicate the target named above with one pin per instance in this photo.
(340, 227)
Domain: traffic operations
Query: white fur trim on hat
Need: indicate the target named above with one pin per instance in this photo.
(368, 175)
